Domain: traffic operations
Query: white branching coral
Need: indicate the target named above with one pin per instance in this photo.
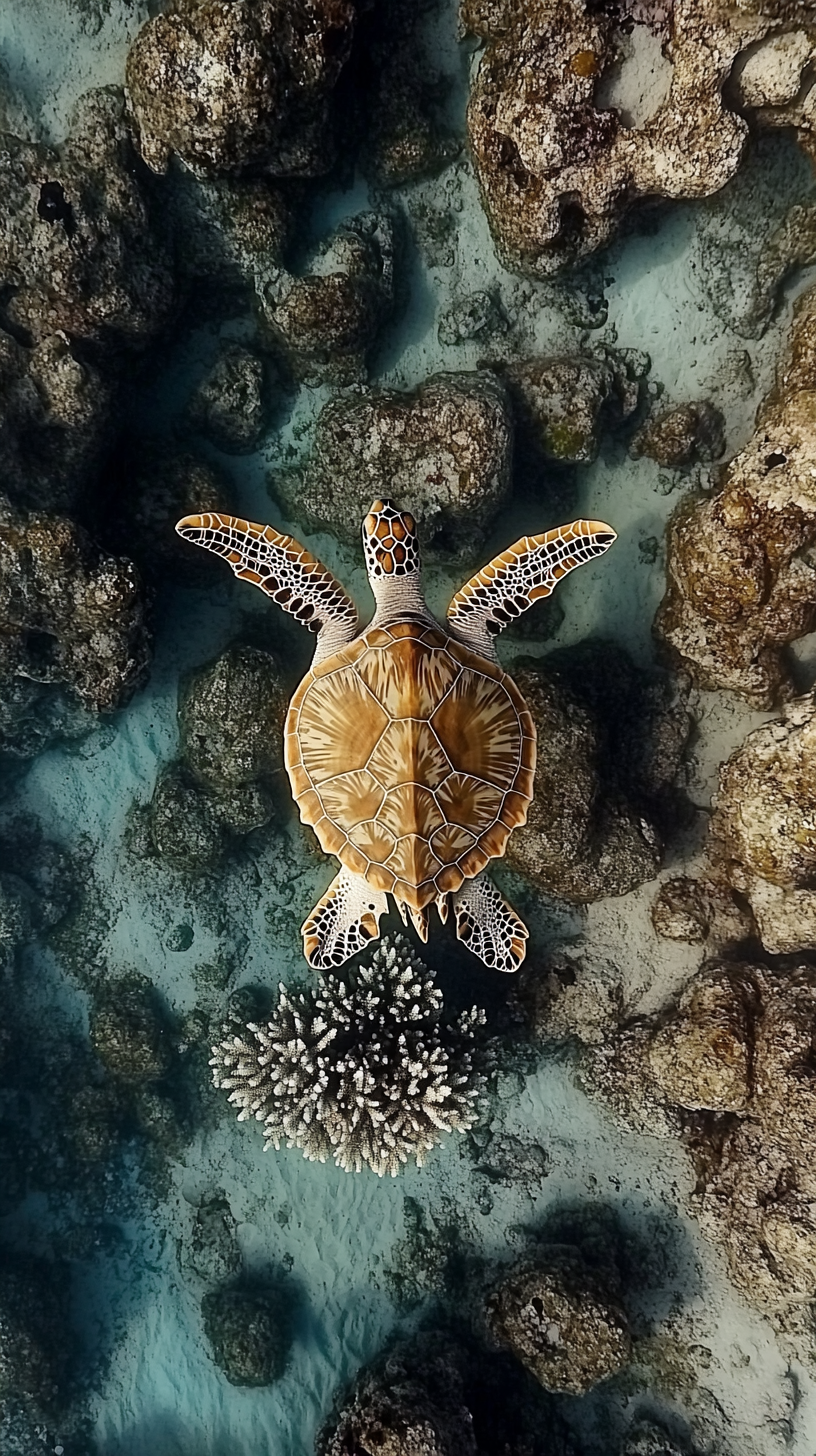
(359, 1067)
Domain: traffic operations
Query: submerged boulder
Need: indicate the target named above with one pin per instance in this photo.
(446, 447)
(34, 1331)
(230, 405)
(679, 437)
(233, 86)
(247, 1330)
(130, 1032)
(561, 405)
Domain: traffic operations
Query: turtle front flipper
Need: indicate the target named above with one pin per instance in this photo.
(343, 921)
(524, 573)
(488, 926)
(282, 568)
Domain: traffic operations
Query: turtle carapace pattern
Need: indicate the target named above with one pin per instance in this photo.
(410, 751)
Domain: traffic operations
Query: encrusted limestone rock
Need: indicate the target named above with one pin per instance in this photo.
(562, 405)
(740, 581)
(233, 85)
(446, 447)
(558, 1318)
(698, 910)
(614, 746)
(230, 233)
(405, 135)
(194, 828)
(772, 80)
(213, 1250)
(558, 166)
(702, 1057)
(327, 321)
(763, 832)
(70, 616)
(248, 1332)
(361, 1068)
(56, 422)
(82, 249)
(231, 719)
(679, 437)
(230, 406)
(130, 1032)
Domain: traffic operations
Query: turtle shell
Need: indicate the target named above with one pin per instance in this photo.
(412, 758)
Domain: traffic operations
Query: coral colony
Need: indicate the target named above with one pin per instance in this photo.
(360, 1068)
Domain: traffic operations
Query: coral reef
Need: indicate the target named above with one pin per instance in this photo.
(562, 405)
(71, 619)
(327, 320)
(740, 584)
(359, 1069)
(236, 87)
(559, 1320)
(247, 1329)
(615, 742)
(679, 437)
(558, 165)
(446, 447)
(229, 407)
(82, 251)
(763, 831)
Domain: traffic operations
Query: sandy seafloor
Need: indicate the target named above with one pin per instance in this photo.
(156, 1391)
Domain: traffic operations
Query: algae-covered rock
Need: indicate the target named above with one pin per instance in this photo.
(232, 86)
(130, 1031)
(328, 320)
(230, 406)
(763, 832)
(561, 405)
(82, 248)
(740, 582)
(70, 615)
(559, 1320)
(153, 483)
(247, 1330)
(212, 1250)
(679, 437)
(231, 719)
(194, 828)
(445, 447)
(698, 910)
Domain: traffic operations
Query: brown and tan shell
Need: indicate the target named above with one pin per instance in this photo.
(412, 757)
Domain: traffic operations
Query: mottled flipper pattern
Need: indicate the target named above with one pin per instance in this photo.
(343, 921)
(282, 568)
(488, 926)
(524, 573)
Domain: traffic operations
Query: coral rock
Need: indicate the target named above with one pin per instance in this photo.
(740, 585)
(34, 1330)
(446, 447)
(681, 436)
(702, 1057)
(327, 321)
(248, 1333)
(231, 85)
(561, 405)
(129, 1031)
(763, 831)
(559, 1320)
(229, 407)
(231, 718)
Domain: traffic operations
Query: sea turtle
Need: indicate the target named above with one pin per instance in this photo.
(410, 751)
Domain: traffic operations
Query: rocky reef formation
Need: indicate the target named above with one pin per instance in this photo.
(405, 135)
(615, 742)
(446, 447)
(683, 435)
(220, 789)
(72, 626)
(236, 87)
(327, 321)
(230, 406)
(562, 405)
(730, 1066)
(740, 582)
(247, 1329)
(763, 832)
(358, 1068)
(560, 164)
(560, 1320)
(153, 483)
(33, 1325)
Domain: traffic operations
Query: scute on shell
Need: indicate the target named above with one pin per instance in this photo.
(412, 758)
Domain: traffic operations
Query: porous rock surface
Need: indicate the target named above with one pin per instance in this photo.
(247, 1331)
(740, 583)
(560, 1321)
(701, 910)
(731, 1063)
(70, 615)
(561, 405)
(615, 742)
(229, 406)
(153, 483)
(763, 831)
(679, 437)
(82, 248)
(446, 447)
(557, 170)
(327, 321)
(236, 85)
(129, 1030)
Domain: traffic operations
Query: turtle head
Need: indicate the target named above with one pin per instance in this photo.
(391, 546)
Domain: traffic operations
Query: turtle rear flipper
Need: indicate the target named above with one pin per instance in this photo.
(488, 926)
(527, 571)
(282, 568)
(343, 921)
